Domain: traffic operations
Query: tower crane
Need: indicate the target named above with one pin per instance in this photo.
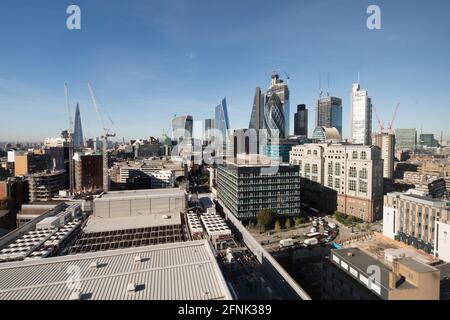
(106, 134)
(380, 122)
(393, 117)
(70, 140)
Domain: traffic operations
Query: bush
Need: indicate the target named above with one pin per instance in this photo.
(298, 221)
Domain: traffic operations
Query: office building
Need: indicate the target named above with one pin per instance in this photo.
(276, 109)
(323, 134)
(247, 185)
(428, 140)
(78, 140)
(419, 221)
(141, 176)
(147, 148)
(386, 142)
(341, 177)
(182, 127)
(278, 150)
(43, 186)
(352, 274)
(406, 139)
(425, 184)
(88, 169)
(329, 113)
(208, 130)
(29, 163)
(301, 121)
(360, 116)
(221, 123)
(257, 116)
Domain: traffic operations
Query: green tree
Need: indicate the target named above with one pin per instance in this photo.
(277, 227)
(265, 218)
(298, 221)
(287, 224)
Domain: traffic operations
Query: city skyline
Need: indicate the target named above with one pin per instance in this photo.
(155, 67)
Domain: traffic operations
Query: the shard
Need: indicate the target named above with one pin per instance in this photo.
(78, 141)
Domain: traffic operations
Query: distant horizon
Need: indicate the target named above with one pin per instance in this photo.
(148, 61)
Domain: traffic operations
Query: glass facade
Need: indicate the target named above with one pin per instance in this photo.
(329, 113)
(78, 130)
(277, 110)
(221, 121)
(245, 191)
(405, 139)
(182, 127)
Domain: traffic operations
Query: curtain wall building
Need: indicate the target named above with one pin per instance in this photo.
(360, 116)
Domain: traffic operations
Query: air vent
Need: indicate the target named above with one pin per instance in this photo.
(349, 254)
(138, 258)
(94, 265)
(131, 287)
(76, 295)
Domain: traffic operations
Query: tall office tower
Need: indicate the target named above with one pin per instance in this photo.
(329, 113)
(209, 126)
(78, 130)
(257, 117)
(406, 139)
(182, 127)
(301, 121)
(221, 121)
(360, 116)
(276, 109)
(386, 142)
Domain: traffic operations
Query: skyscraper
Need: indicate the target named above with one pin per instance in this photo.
(276, 109)
(406, 139)
(78, 130)
(329, 113)
(386, 142)
(209, 126)
(221, 119)
(360, 116)
(182, 127)
(301, 121)
(257, 117)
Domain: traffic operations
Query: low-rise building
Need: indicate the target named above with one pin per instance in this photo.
(44, 186)
(422, 222)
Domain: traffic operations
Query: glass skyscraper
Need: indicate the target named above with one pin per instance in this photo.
(329, 113)
(257, 117)
(182, 127)
(276, 109)
(78, 141)
(221, 121)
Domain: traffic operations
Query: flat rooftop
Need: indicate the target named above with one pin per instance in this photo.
(176, 271)
(98, 224)
(139, 194)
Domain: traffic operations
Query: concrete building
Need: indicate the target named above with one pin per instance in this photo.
(301, 121)
(329, 113)
(29, 163)
(360, 116)
(43, 186)
(386, 142)
(405, 139)
(181, 271)
(152, 178)
(352, 274)
(425, 184)
(421, 222)
(88, 168)
(148, 148)
(341, 177)
(247, 185)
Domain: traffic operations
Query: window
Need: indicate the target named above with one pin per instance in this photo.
(314, 169)
(363, 155)
(352, 185)
(337, 169)
(307, 168)
(309, 152)
(337, 183)
(363, 173)
(330, 181)
(300, 165)
(355, 155)
(363, 187)
(330, 168)
(352, 172)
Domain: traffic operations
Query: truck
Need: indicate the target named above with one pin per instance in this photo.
(311, 242)
(284, 243)
(313, 235)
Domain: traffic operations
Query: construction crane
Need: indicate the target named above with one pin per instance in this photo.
(380, 122)
(70, 141)
(393, 118)
(106, 135)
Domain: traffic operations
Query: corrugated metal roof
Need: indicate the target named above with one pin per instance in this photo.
(176, 271)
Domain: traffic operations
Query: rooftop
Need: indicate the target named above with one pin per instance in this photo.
(135, 194)
(174, 271)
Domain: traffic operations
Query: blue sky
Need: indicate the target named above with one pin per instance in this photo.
(148, 60)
